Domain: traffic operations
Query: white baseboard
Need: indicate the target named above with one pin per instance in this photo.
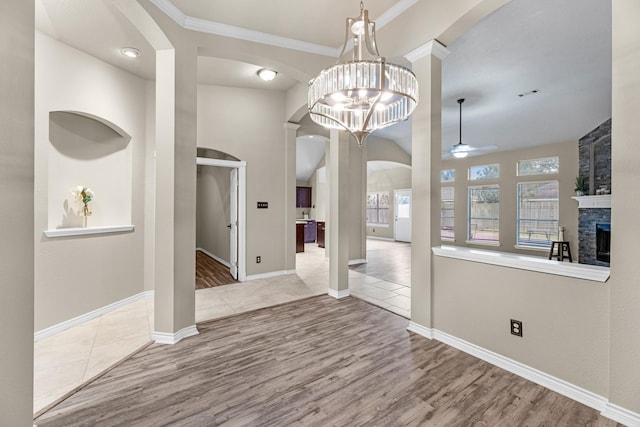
(220, 260)
(621, 415)
(339, 294)
(420, 330)
(595, 401)
(52, 330)
(270, 274)
(357, 261)
(552, 383)
(387, 239)
(173, 338)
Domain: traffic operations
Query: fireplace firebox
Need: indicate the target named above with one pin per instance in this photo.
(603, 242)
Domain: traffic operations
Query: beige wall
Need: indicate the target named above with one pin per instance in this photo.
(16, 211)
(624, 379)
(568, 154)
(76, 275)
(212, 210)
(387, 180)
(565, 320)
(248, 124)
(385, 149)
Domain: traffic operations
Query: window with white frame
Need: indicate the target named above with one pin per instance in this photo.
(483, 218)
(378, 208)
(484, 172)
(448, 175)
(446, 213)
(546, 166)
(538, 213)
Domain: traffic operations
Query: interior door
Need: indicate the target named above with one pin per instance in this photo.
(402, 230)
(233, 226)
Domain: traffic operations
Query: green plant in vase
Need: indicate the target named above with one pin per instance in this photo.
(581, 186)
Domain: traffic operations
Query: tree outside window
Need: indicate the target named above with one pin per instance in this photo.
(483, 217)
(378, 208)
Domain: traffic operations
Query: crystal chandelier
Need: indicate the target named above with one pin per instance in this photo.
(362, 94)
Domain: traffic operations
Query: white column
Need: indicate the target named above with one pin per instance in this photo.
(624, 347)
(425, 179)
(175, 187)
(339, 214)
(357, 200)
(16, 211)
(291, 130)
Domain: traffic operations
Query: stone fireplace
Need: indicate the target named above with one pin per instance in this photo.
(594, 220)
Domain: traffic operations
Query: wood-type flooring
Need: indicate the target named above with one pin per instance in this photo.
(210, 273)
(320, 362)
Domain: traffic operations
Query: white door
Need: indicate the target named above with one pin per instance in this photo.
(402, 231)
(233, 226)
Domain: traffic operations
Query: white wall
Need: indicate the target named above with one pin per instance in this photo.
(213, 210)
(76, 275)
(248, 124)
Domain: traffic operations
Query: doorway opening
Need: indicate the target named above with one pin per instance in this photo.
(234, 224)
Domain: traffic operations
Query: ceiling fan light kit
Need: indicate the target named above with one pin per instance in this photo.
(461, 150)
(366, 92)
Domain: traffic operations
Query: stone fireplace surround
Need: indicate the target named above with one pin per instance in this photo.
(594, 151)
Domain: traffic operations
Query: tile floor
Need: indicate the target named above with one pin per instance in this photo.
(66, 360)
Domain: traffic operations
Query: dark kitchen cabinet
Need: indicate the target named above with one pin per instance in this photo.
(303, 197)
(310, 231)
(320, 233)
(300, 237)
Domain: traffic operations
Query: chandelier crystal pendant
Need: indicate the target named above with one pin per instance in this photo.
(366, 92)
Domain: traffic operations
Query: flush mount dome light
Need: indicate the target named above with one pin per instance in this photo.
(362, 94)
(266, 74)
(130, 52)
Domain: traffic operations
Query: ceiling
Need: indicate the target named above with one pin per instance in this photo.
(560, 48)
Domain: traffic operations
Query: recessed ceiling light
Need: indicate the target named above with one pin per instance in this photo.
(130, 52)
(266, 74)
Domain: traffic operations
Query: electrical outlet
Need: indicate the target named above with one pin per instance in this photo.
(516, 328)
(258, 259)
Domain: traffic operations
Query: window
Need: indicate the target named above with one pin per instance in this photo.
(378, 208)
(538, 166)
(484, 214)
(484, 172)
(446, 213)
(448, 175)
(538, 211)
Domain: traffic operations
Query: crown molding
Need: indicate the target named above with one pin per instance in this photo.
(171, 11)
(219, 29)
(216, 28)
(433, 47)
(393, 12)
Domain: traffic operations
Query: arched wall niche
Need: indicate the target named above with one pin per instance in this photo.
(90, 151)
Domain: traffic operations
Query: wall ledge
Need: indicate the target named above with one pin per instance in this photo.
(81, 231)
(530, 263)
